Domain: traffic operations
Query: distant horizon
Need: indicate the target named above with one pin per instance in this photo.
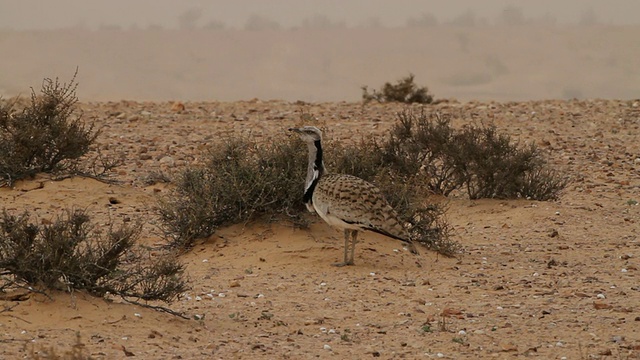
(233, 50)
(95, 14)
(466, 63)
(481, 25)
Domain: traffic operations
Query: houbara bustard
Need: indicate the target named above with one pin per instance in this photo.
(347, 202)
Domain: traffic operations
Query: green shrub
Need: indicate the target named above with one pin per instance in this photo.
(403, 91)
(71, 253)
(48, 135)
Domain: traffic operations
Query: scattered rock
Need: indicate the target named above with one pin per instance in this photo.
(600, 305)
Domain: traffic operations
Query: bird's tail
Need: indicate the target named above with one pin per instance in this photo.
(405, 239)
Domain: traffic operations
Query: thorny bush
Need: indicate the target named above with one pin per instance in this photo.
(71, 253)
(48, 135)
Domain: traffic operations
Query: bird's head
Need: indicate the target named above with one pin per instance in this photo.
(308, 134)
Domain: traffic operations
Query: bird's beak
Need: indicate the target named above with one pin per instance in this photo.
(295, 130)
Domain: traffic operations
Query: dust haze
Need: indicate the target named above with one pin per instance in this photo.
(322, 50)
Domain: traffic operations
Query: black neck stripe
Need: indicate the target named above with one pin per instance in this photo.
(318, 161)
(318, 166)
(308, 195)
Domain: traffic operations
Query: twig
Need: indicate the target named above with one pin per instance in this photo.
(88, 175)
(12, 340)
(9, 308)
(124, 317)
(19, 318)
(29, 288)
(157, 308)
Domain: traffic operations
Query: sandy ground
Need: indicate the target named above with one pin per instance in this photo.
(548, 280)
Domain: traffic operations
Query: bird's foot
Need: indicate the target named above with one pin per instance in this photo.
(344, 263)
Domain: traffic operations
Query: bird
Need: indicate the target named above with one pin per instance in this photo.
(347, 202)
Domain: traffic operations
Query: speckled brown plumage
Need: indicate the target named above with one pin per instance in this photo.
(347, 202)
(357, 202)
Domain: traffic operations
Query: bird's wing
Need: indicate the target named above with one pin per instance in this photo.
(356, 201)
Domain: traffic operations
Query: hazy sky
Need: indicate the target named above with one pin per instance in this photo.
(39, 14)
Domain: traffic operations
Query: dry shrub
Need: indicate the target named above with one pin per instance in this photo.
(406, 192)
(71, 253)
(493, 166)
(422, 156)
(240, 180)
(48, 135)
(478, 158)
(404, 90)
(363, 159)
(423, 145)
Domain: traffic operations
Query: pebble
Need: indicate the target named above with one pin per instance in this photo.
(168, 160)
(327, 347)
(617, 338)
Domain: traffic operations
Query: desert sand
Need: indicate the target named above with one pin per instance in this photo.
(548, 280)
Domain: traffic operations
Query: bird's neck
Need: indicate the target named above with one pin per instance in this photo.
(315, 170)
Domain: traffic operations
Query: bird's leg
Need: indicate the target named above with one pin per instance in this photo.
(354, 240)
(346, 249)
